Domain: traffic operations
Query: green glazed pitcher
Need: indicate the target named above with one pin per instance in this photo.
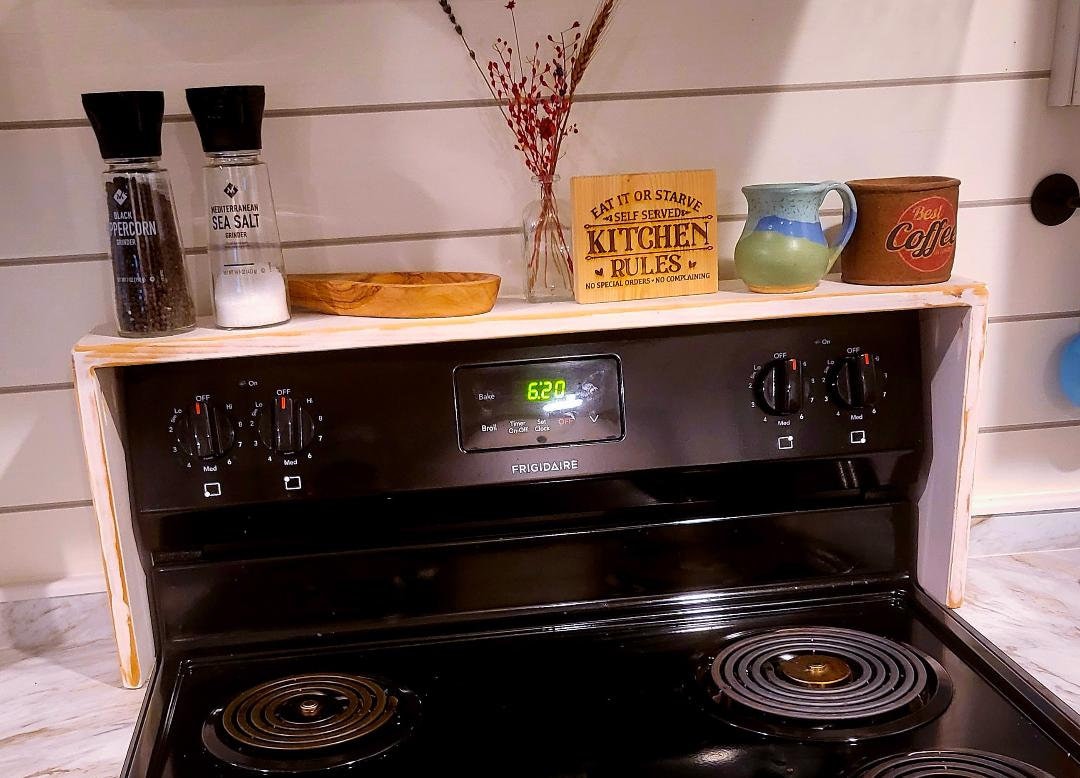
(782, 247)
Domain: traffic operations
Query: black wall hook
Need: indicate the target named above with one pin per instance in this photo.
(1055, 198)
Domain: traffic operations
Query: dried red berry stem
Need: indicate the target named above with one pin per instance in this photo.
(535, 93)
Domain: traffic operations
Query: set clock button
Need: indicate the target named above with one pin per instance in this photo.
(205, 431)
(779, 387)
(854, 381)
(286, 427)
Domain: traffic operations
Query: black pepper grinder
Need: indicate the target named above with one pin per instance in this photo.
(149, 273)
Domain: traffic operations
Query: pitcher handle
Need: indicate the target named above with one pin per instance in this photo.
(851, 213)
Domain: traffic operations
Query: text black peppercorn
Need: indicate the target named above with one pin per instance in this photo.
(151, 286)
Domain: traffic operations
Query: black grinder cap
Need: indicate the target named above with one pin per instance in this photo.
(127, 124)
(229, 118)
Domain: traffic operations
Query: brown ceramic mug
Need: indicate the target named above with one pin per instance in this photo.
(906, 233)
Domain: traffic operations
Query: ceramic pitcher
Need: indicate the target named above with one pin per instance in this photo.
(783, 248)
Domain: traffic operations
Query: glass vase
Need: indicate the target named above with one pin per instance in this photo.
(548, 264)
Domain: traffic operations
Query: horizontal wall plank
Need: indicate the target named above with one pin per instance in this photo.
(49, 545)
(41, 456)
(1020, 374)
(1019, 533)
(342, 52)
(46, 309)
(1028, 267)
(419, 172)
(1027, 470)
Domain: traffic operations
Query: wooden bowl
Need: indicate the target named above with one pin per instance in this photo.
(424, 295)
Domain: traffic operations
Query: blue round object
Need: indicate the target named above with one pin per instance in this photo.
(1069, 372)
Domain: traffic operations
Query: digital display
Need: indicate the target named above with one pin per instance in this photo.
(549, 402)
(544, 389)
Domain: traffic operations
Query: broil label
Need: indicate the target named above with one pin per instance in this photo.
(925, 234)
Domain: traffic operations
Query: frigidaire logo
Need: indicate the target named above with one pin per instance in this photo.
(544, 467)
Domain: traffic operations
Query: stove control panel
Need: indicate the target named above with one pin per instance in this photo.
(345, 423)
(832, 388)
(537, 404)
(217, 434)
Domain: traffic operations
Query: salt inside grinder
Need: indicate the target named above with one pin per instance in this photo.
(246, 264)
(150, 278)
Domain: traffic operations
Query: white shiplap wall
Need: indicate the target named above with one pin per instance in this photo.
(386, 154)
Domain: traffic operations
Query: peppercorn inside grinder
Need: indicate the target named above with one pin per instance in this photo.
(151, 287)
(247, 268)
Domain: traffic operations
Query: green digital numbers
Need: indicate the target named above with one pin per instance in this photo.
(545, 389)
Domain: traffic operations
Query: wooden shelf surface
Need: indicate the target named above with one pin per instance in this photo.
(516, 318)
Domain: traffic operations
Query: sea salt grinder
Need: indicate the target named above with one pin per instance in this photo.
(246, 264)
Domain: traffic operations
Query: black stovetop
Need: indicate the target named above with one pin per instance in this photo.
(556, 610)
(616, 697)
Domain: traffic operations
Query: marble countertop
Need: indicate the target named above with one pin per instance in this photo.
(65, 714)
(1029, 606)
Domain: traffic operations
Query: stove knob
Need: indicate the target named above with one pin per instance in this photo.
(205, 431)
(287, 427)
(854, 382)
(779, 387)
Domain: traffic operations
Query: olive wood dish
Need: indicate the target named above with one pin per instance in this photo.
(424, 295)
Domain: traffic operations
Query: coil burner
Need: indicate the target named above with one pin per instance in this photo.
(310, 722)
(826, 683)
(972, 764)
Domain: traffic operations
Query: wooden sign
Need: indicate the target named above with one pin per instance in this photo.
(640, 235)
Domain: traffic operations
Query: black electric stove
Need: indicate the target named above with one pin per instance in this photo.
(684, 552)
